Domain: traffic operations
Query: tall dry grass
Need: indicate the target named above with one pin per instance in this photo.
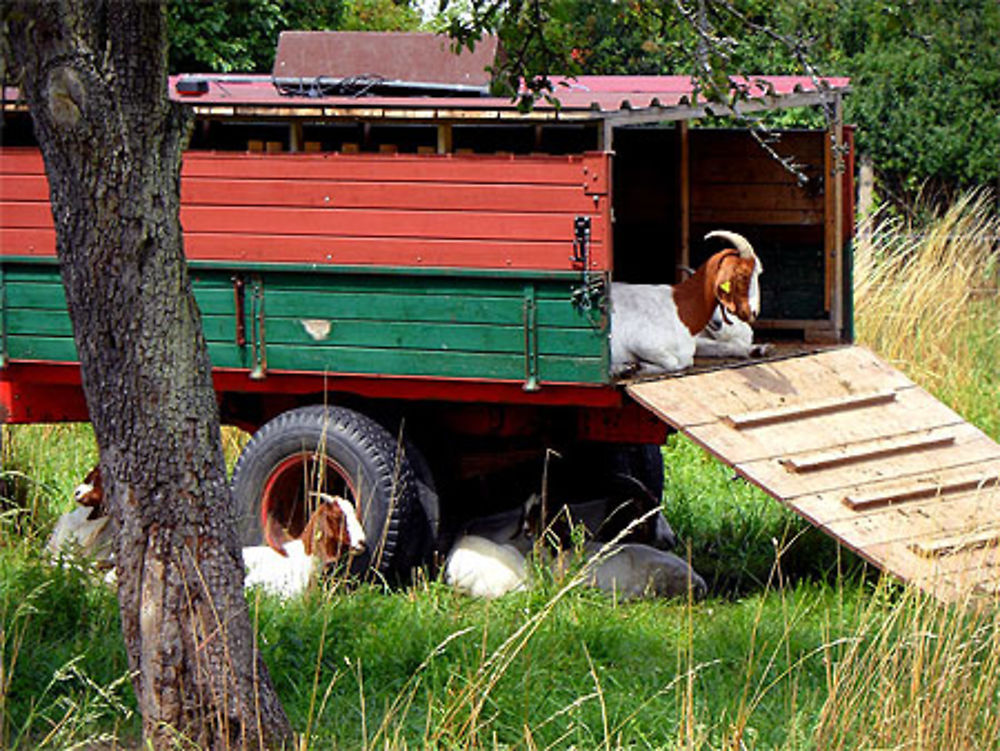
(927, 300)
(915, 673)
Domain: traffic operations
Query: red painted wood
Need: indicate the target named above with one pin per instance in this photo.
(46, 391)
(471, 168)
(372, 223)
(27, 242)
(472, 254)
(24, 188)
(18, 160)
(24, 214)
(497, 212)
(410, 194)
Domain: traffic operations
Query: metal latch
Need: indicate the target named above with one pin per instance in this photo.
(259, 353)
(581, 241)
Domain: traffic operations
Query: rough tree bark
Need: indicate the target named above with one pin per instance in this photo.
(94, 76)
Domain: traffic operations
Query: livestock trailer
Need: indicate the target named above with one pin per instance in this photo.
(403, 281)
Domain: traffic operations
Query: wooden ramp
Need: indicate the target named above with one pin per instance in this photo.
(859, 450)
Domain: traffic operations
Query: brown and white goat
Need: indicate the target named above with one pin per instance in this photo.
(333, 530)
(654, 326)
(90, 492)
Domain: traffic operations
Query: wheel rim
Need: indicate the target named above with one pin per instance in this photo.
(285, 496)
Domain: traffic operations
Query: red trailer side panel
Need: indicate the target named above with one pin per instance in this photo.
(503, 212)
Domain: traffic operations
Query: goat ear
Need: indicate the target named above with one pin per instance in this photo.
(724, 283)
(307, 535)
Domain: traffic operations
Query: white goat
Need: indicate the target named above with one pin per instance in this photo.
(734, 338)
(631, 571)
(333, 528)
(654, 326)
(481, 567)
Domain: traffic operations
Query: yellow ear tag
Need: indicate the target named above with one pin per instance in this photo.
(726, 287)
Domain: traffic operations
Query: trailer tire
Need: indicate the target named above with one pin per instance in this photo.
(360, 461)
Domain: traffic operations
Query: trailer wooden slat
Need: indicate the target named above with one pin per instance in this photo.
(426, 196)
(857, 449)
(801, 411)
(957, 543)
(827, 509)
(865, 452)
(947, 446)
(970, 481)
(912, 409)
(348, 251)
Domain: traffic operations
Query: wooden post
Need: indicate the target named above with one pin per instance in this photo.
(837, 313)
(445, 139)
(685, 180)
(296, 137)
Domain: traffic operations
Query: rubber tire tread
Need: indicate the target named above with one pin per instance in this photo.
(352, 439)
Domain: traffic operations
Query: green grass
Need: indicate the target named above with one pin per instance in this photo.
(798, 648)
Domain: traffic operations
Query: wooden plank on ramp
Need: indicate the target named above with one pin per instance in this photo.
(859, 450)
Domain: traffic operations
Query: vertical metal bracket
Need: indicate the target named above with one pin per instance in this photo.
(581, 241)
(530, 339)
(239, 305)
(3, 316)
(259, 354)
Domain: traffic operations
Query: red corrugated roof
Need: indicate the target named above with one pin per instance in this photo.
(600, 94)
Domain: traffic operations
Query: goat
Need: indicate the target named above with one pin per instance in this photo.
(482, 567)
(85, 530)
(489, 557)
(627, 512)
(79, 531)
(653, 326)
(728, 339)
(632, 571)
(90, 492)
(288, 570)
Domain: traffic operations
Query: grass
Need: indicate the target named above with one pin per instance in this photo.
(799, 647)
(926, 299)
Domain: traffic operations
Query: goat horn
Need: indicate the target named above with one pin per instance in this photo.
(739, 242)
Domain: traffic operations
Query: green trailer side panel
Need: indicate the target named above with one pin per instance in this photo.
(447, 325)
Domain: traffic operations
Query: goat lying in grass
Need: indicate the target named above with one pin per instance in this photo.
(482, 567)
(631, 571)
(332, 530)
(491, 558)
(285, 569)
(86, 530)
(654, 326)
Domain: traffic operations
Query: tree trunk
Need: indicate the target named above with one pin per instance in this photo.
(94, 76)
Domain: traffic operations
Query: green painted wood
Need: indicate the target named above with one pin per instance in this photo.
(34, 347)
(35, 295)
(418, 336)
(39, 322)
(420, 363)
(450, 326)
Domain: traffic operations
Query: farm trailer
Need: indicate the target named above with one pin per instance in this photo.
(404, 296)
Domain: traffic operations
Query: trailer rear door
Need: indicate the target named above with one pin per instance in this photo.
(859, 450)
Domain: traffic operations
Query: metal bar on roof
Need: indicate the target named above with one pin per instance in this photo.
(321, 86)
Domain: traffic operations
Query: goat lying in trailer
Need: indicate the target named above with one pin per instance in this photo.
(734, 338)
(654, 327)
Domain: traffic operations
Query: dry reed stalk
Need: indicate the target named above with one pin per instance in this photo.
(916, 294)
